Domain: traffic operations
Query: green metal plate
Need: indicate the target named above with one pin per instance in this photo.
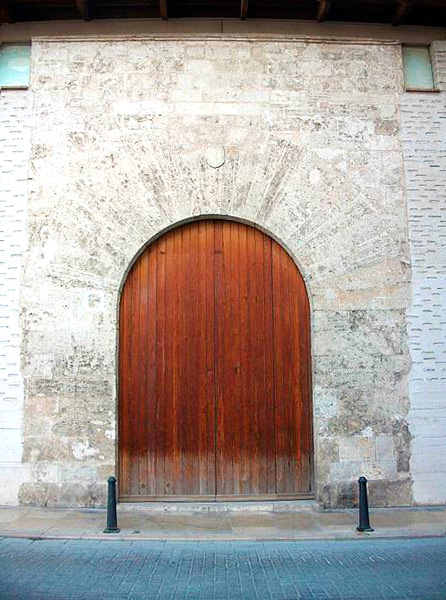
(14, 65)
(418, 68)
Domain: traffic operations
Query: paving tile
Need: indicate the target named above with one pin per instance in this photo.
(210, 522)
(406, 518)
(299, 522)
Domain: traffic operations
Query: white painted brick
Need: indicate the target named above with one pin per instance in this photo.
(428, 455)
(12, 475)
(424, 147)
(15, 131)
(429, 488)
(11, 440)
(11, 413)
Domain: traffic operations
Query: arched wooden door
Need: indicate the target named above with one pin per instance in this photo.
(214, 369)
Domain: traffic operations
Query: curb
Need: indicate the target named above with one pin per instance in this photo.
(383, 535)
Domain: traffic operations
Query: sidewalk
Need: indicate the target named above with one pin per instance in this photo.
(223, 522)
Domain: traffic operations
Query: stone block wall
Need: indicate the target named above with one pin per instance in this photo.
(311, 133)
(423, 117)
(15, 148)
(438, 56)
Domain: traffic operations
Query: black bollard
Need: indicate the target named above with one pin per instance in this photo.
(112, 519)
(364, 523)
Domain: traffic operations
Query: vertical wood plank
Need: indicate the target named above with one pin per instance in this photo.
(170, 423)
(223, 358)
(269, 365)
(134, 416)
(205, 393)
(279, 358)
(151, 399)
(220, 308)
(306, 462)
(249, 367)
(142, 373)
(175, 361)
(186, 317)
(124, 387)
(161, 434)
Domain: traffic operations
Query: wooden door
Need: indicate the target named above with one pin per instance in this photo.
(214, 369)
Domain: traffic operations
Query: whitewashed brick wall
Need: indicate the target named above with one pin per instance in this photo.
(424, 142)
(15, 129)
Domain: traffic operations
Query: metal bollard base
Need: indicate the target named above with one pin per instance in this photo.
(112, 530)
(362, 529)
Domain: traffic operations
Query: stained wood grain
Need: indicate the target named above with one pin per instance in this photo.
(214, 369)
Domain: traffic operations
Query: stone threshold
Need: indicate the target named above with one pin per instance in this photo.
(259, 506)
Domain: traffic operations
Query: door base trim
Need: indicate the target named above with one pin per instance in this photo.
(220, 498)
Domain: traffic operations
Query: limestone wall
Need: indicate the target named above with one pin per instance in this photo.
(15, 147)
(424, 137)
(313, 156)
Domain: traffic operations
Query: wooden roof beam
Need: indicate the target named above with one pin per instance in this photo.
(163, 9)
(243, 9)
(5, 12)
(402, 8)
(85, 7)
(322, 10)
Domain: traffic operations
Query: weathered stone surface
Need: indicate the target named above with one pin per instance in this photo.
(63, 494)
(312, 157)
(390, 493)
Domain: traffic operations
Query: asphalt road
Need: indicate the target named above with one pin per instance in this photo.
(112, 570)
